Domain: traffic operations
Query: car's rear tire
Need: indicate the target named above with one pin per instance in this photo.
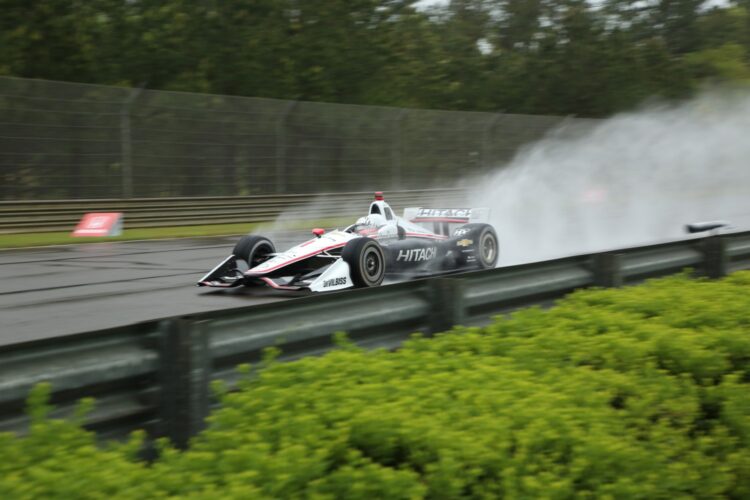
(254, 250)
(484, 243)
(366, 261)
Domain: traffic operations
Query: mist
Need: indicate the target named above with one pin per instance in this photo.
(320, 208)
(633, 179)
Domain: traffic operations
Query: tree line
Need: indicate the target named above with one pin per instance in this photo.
(555, 57)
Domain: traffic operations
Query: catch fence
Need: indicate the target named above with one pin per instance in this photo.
(62, 141)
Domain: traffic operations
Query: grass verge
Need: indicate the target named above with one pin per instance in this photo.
(64, 238)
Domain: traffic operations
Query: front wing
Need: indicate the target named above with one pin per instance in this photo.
(233, 272)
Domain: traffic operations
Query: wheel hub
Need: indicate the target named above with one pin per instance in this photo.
(371, 264)
(488, 248)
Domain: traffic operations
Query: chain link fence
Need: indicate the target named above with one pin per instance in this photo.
(76, 141)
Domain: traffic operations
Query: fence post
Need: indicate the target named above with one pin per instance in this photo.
(715, 257)
(607, 270)
(185, 379)
(486, 141)
(396, 150)
(126, 146)
(448, 304)
(281, 185)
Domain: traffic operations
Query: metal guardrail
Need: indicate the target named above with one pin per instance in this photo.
(156, 375)
(42, 216)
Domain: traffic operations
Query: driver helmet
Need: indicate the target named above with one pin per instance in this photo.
(370, 224)
(372, 220)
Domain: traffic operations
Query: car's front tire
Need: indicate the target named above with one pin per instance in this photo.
(254, 250)
(366, 261)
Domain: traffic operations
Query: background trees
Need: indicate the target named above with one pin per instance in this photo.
(524, 56)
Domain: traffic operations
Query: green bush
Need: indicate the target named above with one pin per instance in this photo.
(638, 392)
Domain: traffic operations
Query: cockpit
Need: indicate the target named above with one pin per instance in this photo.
(380, 221)
(380, 207)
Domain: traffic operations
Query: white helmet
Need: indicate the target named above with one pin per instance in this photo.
(372, 220)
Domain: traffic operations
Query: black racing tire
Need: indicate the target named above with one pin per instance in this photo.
(253, 249)
(485, 244)
(366, 261)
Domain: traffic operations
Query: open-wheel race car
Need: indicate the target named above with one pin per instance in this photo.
(424, 242)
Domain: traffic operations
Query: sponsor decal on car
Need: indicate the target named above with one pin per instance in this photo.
(464, 243)
(416, 254)
(334, 282)
(444, 212)
(461, 232)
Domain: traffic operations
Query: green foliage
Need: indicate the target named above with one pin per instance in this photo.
(728, 63)
(621, 393)
(37, 407)
(520, 56)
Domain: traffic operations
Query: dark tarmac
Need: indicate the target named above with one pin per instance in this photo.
(55, 291)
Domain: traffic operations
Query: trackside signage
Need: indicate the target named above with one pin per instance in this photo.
(99, 224)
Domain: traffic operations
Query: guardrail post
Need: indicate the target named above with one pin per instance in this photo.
(607, 270)
(448, 304)
(185, 379)
(715, 257)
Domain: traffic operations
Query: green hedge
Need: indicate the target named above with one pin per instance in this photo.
(640, 392)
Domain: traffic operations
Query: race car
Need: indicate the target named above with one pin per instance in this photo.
(424, 242)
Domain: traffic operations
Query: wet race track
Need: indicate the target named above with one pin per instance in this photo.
(54, 291)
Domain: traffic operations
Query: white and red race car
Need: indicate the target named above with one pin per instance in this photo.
(364, 253)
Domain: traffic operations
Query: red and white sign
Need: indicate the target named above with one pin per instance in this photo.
(99, 224)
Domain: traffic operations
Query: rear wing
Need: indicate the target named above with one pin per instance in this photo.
(420, 215)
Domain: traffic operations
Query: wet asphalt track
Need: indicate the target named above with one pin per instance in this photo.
(54, 291)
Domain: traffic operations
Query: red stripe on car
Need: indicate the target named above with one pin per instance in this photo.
(292, 261)
(428, 236)
(273, 284)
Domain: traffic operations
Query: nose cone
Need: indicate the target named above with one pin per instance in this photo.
(318, 232)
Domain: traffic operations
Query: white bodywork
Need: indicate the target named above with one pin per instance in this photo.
(328, 241)
(335, 277)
